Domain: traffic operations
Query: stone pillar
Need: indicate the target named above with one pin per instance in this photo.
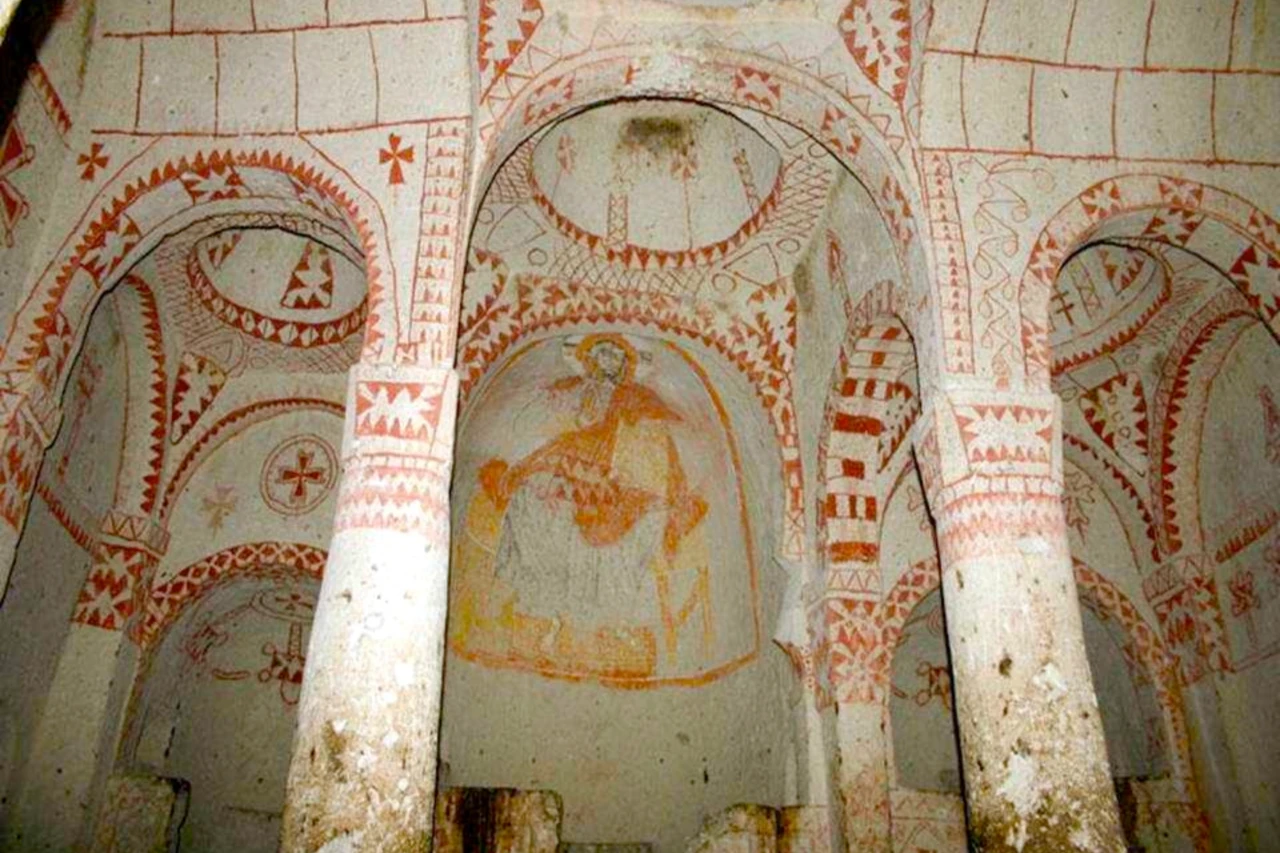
(864, 773)
(1035, 762)
(74, 745)
(1184, 596)
(364, 756)
(859, 672)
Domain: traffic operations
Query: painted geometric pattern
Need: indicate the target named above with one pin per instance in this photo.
(1088, 453)
(951, 261)
(20, 455)
(311, 284)
(396, 493)
(1194, 353)
(290, 333)
(1116, 411)
(219, 247)
(198, 383)
(1185, 599)
(229, 424)
(97, 251)
(1011, 439)
(506, 27)
(1102, 300)
(878, 35)
(858, 660)
(868, 418)
(158, 381)
(838, 121)
(169, 599)
(1177, 211)
(440, 247)
(399, 480)
(927, 822)
(403, 410)
(863, 634)
(107, 598)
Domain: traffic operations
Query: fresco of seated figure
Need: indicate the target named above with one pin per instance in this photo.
(587, 555)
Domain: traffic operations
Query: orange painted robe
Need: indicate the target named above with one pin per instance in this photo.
(582, 468)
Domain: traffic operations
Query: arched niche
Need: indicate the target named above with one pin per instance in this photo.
(215, 705)
(921, 709)
(1235, 439)
(1137, 721)
(607, 613)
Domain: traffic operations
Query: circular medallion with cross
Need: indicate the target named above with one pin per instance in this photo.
(299, 474)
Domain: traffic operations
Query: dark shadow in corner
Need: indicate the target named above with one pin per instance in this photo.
(27, 31)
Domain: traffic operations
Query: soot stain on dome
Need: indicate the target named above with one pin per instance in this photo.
(657, 135)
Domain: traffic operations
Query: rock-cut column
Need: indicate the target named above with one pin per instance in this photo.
(364, 756)
(1035, 763)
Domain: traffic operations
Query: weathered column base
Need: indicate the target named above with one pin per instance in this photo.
(363, 771)
(1036, 772)
(503, 820)
(864, 775)
(364, 756)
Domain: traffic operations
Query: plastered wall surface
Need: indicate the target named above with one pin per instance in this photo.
(681, 375)
(240, 648)
(604, 581)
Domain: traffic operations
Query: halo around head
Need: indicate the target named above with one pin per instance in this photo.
(582, 352)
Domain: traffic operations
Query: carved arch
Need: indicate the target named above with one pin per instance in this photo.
(1228, 231)
(872, 405)
(858, 131)
(169, 600)
(1144, 649)
(165, 189)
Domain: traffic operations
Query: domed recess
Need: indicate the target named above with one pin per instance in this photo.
(641, 177)
(278, 286)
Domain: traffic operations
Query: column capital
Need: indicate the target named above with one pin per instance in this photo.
(398, 449)
(991, 462)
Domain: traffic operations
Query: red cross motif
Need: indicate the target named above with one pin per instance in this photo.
(301, 476)
(92, 161)
(396, 156)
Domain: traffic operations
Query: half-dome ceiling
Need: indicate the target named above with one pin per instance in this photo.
(278, 286)
(656, 175)
(1102, 299)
